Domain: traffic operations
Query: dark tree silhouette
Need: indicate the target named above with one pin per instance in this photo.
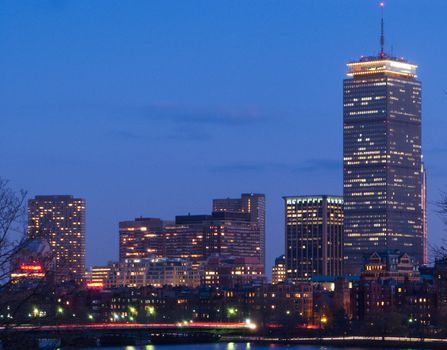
(12, 232)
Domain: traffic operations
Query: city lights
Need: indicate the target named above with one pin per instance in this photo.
(349, 270)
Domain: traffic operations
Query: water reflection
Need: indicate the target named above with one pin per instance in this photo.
(238, 346)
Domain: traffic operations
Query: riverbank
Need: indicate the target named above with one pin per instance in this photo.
(354, 341)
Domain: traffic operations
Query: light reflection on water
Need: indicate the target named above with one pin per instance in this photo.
(223, 346)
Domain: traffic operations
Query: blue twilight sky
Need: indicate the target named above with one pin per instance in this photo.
(154, 108)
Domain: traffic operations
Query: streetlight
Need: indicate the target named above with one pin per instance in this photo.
(150, 310)
(232, 311)
(36, 312)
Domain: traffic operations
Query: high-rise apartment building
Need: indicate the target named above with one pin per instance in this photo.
(141, 238)
(382, 159)
(314, 236)
(251, 203)
(60, 219)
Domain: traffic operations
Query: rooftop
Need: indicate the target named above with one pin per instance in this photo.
(367, 66)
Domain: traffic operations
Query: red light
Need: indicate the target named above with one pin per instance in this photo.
(95, 285)
(30, 267)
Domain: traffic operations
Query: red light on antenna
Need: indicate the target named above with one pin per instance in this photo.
(382, 4)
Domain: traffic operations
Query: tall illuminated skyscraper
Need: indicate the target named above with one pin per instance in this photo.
(313, 236)
(382, 159)
(61, 221)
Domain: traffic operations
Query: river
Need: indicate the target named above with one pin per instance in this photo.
(227, 346)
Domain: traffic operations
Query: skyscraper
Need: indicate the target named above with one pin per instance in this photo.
(252, 203)
(60, 219)
(382, 159)
(313, 236)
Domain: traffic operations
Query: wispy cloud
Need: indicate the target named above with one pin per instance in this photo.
(125, 134)
(188, 115)
(186, 134)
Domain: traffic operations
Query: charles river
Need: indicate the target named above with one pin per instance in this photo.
(230, 346)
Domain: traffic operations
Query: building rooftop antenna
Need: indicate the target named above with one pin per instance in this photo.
(382, 34)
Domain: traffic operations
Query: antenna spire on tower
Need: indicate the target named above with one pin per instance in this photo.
(382, 34)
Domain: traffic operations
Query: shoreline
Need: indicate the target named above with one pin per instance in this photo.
(351, 341)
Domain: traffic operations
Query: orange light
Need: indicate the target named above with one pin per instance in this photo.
(30, 267)
(95, 285)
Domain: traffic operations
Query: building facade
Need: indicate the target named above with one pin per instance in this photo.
(137, 273)
(382, 159)
(390, 265)
(186, 241)
(60, 220)
(279, 270)
(141, 238)
(196, 237)
(226, 271)
(251, 203)
(313, 236)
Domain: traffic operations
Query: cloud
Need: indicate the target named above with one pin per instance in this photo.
(185, 134)
(187, 115)
(307, 166)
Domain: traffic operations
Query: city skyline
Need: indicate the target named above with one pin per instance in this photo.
(315, 169)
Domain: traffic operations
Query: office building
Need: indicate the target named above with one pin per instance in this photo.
(141, 238)
(186, 241)
(313, 236)
(60, 220)
(251, 203)
(382, 159)
(223, 232)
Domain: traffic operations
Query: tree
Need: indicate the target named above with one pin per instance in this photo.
(12, 237)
